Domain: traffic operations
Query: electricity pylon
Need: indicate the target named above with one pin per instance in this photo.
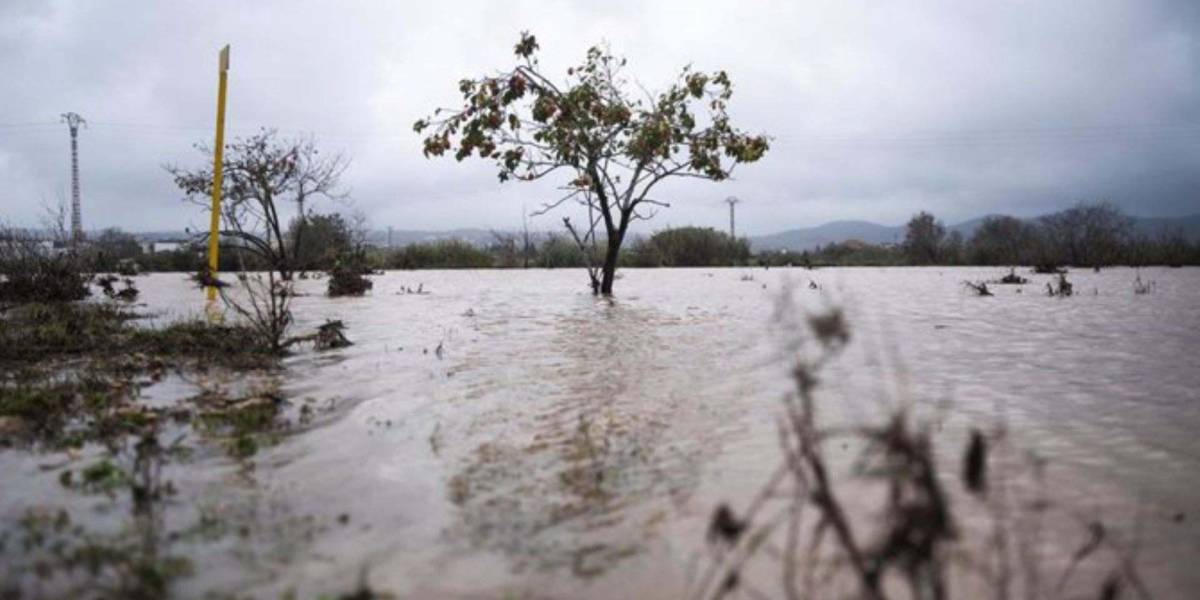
(732, 201)
(73, 122)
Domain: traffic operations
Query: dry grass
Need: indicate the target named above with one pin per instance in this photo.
(888, 528)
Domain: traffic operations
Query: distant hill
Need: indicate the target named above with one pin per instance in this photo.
(874, 233)
(837, 231)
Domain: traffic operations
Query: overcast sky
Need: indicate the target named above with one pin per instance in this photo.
(877, 111)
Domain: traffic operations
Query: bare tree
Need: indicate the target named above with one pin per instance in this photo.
(611, 148)
(262, 172)
(1087, 235)
(1001, 240)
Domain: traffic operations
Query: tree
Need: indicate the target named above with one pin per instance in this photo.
(923, 239)
(112, 247)
(319, 239)
(262, 171)
(951, 251)
(611, 149)
(1087, 235)
(1001, 240)
(557, 252)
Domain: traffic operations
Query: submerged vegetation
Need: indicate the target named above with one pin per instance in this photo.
(1061, 287)
(73, 369)
(28, 272)
(73, 379)
(980, 288)
(73, 376)
(348, 280)
(1012, 278)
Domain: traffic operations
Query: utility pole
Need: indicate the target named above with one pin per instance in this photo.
(73, 122)
(214, 228)
(525, 245)
(731, 201)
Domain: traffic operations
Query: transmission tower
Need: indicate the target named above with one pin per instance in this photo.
(732, 201)
(73, 122)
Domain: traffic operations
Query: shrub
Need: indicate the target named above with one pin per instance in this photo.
(442, 254)
(348, 277)
(35, 273)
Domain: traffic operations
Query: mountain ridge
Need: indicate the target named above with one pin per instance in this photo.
(808, 238)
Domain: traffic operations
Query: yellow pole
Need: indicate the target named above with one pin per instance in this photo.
(214, 231)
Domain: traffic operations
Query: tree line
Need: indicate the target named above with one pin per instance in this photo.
(329, 238)
(1085, 236)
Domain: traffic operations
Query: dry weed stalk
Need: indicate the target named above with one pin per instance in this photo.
(266, 307)
(800, 530)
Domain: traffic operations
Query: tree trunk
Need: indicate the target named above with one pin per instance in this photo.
(611, 254)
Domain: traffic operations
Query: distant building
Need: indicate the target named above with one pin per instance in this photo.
(154, 247)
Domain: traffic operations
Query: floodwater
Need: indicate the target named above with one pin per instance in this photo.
(505, 434)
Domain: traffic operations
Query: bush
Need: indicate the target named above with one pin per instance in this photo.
(559, 252)
(689, 247)
(34, 273)
(442, 254)
(348, 277)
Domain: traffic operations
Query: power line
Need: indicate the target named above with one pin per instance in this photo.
(1001, 137)
(181, 129)
(29, 125)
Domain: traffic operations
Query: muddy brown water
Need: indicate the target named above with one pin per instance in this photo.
(506, 433)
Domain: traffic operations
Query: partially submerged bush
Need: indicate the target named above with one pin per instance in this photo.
(203, 277)
(1012, 278)
(1062, 288)
(328, 336)
(348, 277)
(980, 289)
(35, 273)
(231, 345)
(129, 293)
(34, 332)
(1142, 288)
(1048, 268)
(266, 308)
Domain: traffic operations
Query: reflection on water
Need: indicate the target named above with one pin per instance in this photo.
(559, 445)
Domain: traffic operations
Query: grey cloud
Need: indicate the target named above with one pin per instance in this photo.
(878, 111)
